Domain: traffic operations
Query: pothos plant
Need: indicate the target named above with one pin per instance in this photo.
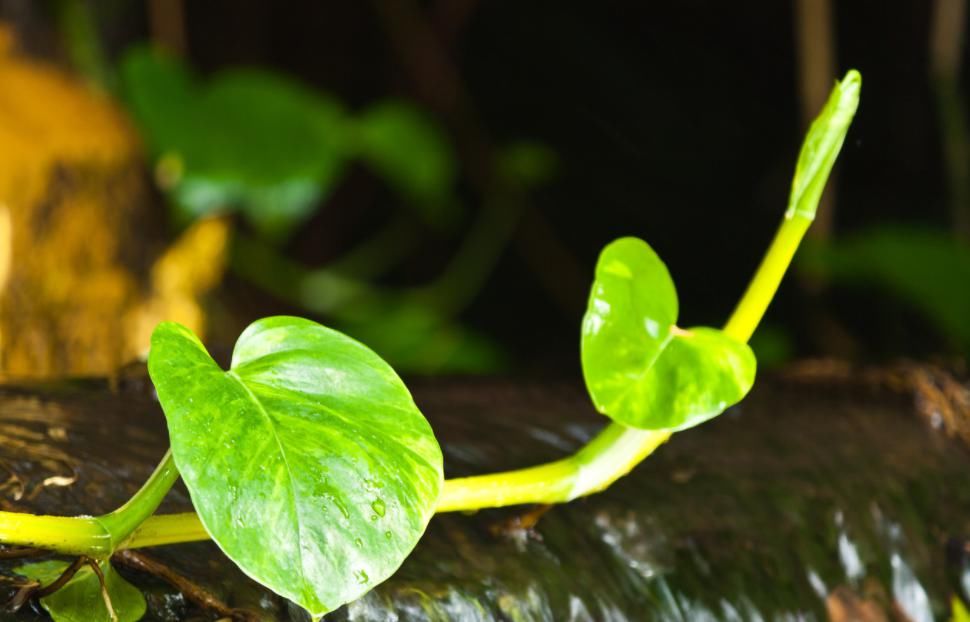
(310, 466)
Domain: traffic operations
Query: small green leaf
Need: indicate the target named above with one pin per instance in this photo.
(81, 599)
(822, 145)
(308, 462)
(640, 369)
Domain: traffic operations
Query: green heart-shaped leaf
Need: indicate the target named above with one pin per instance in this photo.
(81, 599)
(640, 369)
(308, 462)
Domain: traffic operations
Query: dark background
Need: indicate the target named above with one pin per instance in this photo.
(678, 122)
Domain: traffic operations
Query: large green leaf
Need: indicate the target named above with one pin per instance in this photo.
(307, 461)
(81, 599)
(640, 369)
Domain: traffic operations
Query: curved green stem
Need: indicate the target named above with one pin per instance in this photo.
(617, 449)
(96, 537)
(122, 522)
(752, 306)
(610, 455)
(168, 529)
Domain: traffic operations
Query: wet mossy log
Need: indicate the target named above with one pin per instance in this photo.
(811, 500)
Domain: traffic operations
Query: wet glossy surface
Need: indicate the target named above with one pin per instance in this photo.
(802, 501)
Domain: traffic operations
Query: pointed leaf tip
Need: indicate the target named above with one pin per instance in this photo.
(822, 145)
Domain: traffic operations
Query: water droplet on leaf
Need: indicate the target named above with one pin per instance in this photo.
(341, 507)
(379, 507)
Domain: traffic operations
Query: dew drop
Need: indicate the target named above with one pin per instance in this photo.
(379, 507)
(388, 535)
(341, 507)
(361, 576)
(359, 543)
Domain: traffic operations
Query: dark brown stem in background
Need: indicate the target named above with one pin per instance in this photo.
(424, 45)
(816, 67)
(815, 55)
(564, 277)
(194, 592)
(450, 18)
(167, 22)
(437, 84)
(946, 45)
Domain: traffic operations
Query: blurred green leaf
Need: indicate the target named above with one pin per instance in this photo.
(527, 163)
(412, 337)
(261, 144)
(247, 140)
(403, 328)
(772, 346)
(407, 148)
(158, 89)
(928, 269)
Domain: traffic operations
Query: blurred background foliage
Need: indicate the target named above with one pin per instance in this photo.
(436, 178)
